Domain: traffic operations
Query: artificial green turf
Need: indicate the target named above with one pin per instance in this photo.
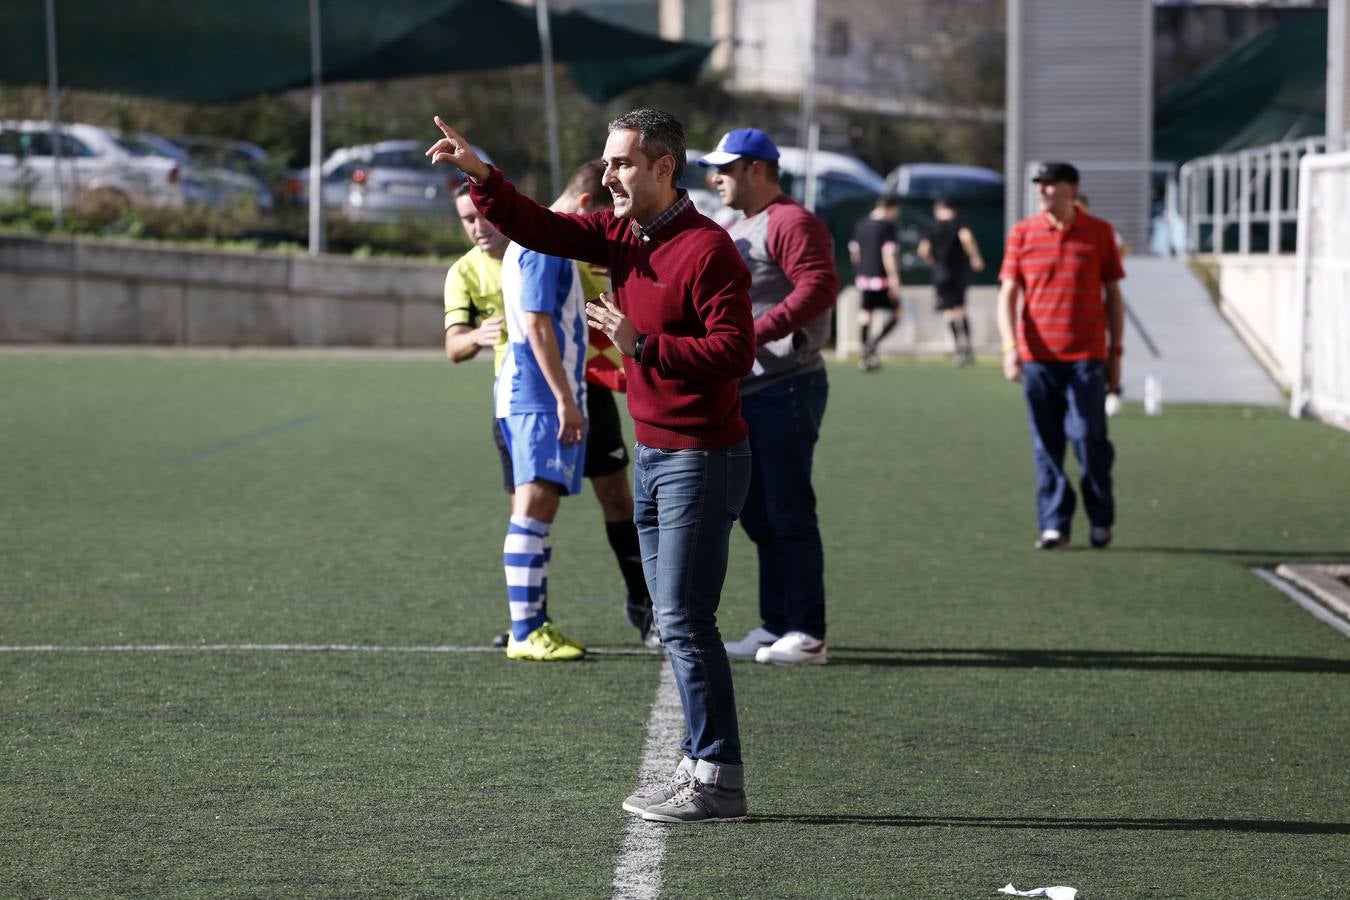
(1152, 720)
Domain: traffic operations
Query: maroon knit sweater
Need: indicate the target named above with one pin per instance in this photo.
(686, 288)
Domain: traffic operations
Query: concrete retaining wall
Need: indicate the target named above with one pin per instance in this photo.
(87, 291)
(921, 330)
(1257, 295)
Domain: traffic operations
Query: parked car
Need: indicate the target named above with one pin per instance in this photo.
(92, 161)
(386, 182)
(838, 177)
(240, 157)
(933, 180)
(205, 185)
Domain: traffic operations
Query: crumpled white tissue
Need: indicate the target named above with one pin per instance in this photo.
(1058, 892)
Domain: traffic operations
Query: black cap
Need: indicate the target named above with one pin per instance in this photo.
(1056, 171)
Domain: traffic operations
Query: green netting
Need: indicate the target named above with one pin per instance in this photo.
(1271, 88)
(230, 51)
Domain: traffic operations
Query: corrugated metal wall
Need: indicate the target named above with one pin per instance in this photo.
(1080, 88)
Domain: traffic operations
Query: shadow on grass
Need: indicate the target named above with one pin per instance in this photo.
(1245, 554)
(1252, 826)
(994, 658)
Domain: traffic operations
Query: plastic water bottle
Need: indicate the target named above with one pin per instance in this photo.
(1152, 395)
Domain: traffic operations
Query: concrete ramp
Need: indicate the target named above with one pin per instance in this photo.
(1174, 332)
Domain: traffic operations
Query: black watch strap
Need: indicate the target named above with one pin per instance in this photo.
(638, 346)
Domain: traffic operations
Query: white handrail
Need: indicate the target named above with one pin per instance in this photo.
(1255, 190)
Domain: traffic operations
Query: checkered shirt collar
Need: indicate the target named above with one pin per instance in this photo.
(682, 202)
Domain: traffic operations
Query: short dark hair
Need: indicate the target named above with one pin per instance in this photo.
(589, 178)
(463, 189)
(945, 202)
(659, 134)
(888, 200)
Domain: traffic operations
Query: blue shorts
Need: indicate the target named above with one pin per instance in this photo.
(538, 455)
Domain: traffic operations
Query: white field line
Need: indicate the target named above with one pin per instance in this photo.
(1303, 600)
(288, 648)
(637, 874)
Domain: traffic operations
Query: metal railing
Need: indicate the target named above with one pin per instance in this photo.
(1245, 201)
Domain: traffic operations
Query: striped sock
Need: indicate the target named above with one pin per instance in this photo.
(524, 557)
(543, 582)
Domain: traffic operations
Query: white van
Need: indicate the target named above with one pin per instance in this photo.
(92, 160)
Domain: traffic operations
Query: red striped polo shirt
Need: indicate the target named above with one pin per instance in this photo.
(1062, 274)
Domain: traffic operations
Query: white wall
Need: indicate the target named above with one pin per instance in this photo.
(1257, 296)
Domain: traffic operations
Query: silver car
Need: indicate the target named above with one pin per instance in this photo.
(387, 181)
(92, 161)
(205, 185)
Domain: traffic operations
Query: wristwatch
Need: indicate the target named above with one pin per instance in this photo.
(638, 346)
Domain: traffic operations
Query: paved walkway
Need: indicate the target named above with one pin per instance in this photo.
(1175, 333)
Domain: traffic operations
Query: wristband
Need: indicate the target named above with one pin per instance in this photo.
(638, 347)
(1009, 345)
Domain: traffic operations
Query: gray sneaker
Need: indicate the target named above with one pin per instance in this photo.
(696, 803)
(638, 802)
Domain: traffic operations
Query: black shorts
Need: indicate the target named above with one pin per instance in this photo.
(878, 300)
(948, 296)
(605, 449)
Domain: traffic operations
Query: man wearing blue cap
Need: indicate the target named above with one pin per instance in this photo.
(793, 287)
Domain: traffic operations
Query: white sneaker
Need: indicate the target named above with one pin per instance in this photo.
(796, 648)
(747, 646)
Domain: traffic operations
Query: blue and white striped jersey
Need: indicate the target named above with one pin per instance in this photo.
(535, 282)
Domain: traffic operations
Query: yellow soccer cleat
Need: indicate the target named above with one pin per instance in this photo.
(544, 644)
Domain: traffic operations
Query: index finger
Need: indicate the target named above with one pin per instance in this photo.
(446, 129)
(609, 304)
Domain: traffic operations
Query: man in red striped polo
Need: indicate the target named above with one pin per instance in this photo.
(1064, 344)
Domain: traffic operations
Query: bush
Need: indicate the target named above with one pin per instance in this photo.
(108, 215)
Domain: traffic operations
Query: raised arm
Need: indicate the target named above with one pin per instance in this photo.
(517, 216)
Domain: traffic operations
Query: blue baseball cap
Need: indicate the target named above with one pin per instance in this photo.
(749, 142)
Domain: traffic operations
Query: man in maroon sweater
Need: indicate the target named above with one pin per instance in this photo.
(681, 317)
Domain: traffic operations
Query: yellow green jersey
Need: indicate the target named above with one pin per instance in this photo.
(473, 292)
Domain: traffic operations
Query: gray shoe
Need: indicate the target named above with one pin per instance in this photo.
(638, 802)
(696, 803)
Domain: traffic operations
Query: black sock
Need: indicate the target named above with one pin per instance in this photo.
(965, 331)
(863, 332)
(956, 333)
(623, 540)
(890, 326)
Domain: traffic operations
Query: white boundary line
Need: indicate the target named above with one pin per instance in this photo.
(288, 648)
(1303, 600)
(637, 874)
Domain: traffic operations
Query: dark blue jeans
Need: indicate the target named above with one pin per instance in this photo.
(780, 510)
(684, 502)
(1066, 402)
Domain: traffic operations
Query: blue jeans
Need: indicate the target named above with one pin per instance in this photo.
(684, 502)
(1066, 401)
(780, 510)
